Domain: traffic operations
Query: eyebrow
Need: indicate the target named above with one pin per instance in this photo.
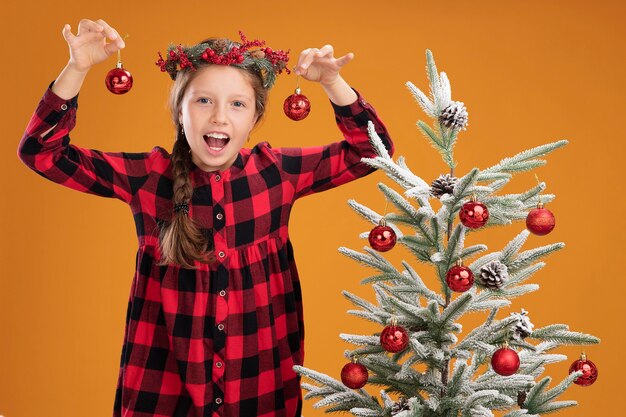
(196, 92)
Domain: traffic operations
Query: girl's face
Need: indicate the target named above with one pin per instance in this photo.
(218, 111)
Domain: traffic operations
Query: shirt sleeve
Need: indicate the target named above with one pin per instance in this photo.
(46, 149)
(319, 168)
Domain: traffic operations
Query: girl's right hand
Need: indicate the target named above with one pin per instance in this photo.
(89, 47)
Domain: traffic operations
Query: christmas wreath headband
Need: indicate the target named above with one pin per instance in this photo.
(247, 54)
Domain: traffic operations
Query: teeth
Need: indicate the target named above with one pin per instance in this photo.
(216, 141)
(217, 135)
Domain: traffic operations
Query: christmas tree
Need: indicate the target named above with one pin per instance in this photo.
(424, 362)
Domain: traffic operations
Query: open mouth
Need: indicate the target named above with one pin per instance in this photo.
(216, 141)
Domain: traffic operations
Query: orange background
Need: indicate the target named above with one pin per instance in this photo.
(529, 72)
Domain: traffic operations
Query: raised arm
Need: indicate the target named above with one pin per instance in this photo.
(318, 168)
(45, 146)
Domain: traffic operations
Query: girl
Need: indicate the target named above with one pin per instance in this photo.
(214, 322)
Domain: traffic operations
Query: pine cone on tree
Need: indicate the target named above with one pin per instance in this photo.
(454, 116)
(401, 405)
(443, 185)
(524, 327)
(418, 327)
(494, 275)
(521, 398)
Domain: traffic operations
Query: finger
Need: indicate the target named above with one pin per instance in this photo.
(298, 69)
(308, 59)
(87, 37)
(67, 33)
(326, 50)
(120, 40)
(302, 56)
(86, 25)
(75, 40)
(109, 31)
(344, 59)
(111, 48)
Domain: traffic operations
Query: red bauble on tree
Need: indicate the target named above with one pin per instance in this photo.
(297, 106)
(505, 361)
(459, 278)
(474, 214)
(382, 237)
(540, 221)
(354, 375)
(590, 371)
(394, 338)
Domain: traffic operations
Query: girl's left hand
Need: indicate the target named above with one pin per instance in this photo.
(320, 65)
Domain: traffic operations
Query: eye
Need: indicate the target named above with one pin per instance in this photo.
(238, 103)
(203, 100)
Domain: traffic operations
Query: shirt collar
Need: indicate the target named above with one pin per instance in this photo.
(234, 169)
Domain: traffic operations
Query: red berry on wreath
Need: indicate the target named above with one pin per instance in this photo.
(382, 237)
(474, 214)
(505, 361)
(297, 106)
(590, 371)
(459, 278)
(540, 221)
(394, 338)
(354, 375)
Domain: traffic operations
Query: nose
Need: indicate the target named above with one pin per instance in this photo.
(218, 116)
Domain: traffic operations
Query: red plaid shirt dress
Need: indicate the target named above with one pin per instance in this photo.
(220, 340)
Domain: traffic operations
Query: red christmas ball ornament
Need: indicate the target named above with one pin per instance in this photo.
(540, 221)
(394, 338)
(297, 106)
(505, 361)
(590, 371)
(459, 278)
(119, 80)
(354, 375)
(474, 214)
(382, 237)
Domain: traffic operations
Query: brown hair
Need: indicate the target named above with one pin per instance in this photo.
(181, 241)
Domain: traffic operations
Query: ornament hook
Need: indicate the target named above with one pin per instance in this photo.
(539, 203)
(119, 52)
